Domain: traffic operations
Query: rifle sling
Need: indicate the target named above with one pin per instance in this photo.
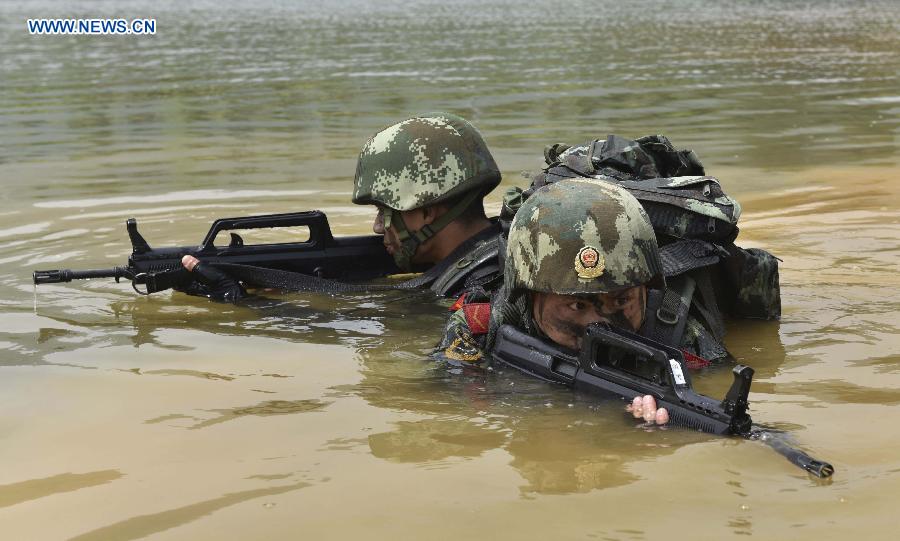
(161, 281)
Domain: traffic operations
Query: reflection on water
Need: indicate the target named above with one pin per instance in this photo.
(432, 440)
(558, 441)
(144, 525)
(33, 489)
(234, 109)
(271, 407)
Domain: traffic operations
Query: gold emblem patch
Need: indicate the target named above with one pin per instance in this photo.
(589, 263)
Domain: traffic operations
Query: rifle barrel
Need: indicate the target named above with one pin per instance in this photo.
(67, 275)
(819, 468)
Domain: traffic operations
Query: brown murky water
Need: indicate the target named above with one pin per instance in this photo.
(170, 417)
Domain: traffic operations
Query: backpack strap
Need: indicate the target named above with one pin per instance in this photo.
(686, 266)
(708, 307)
(667, 311)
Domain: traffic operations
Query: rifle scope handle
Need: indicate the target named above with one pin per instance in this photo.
(315, 220)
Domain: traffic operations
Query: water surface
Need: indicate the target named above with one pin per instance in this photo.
(170, 417)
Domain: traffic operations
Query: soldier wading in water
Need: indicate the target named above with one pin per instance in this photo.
(664, 265)
(427, 176)
(579, 252)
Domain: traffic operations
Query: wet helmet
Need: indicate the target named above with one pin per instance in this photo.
(422, 161)
(581, 236)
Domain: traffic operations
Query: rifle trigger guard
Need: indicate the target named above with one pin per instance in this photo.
(134, 283)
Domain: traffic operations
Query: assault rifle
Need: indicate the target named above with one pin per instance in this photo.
(616, 362)
(346, 259)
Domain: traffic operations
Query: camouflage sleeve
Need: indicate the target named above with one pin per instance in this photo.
(697, 340)
(459, 346)
(755, 276)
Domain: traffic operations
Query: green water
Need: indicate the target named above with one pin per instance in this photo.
(170, 417)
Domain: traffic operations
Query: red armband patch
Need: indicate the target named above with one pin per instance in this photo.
(459, 303)
(478, 316)
(694, 362)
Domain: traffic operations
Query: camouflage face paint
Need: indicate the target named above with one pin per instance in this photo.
(624, 309)
(555, 323)
(564, 318)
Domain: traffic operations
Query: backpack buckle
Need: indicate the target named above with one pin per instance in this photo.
(670, 318)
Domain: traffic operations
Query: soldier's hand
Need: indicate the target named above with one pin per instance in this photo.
(210, 282)
(645, 408)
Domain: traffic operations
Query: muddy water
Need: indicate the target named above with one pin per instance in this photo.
(169, 417)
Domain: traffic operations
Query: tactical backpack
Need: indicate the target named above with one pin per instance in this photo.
(694, 220)
(681, 200)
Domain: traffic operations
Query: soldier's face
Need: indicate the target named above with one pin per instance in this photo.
(414, 220)
(564, 318)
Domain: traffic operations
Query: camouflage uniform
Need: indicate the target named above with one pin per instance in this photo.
(577, 236)
(421, 161)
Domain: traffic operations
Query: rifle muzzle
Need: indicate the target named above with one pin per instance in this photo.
(51, 276)
(67, 275)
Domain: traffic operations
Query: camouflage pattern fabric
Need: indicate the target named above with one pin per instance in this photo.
(459, 345)
(651, 156)
(421, 161)
(581, 236)
(755, 275)
(671, 184)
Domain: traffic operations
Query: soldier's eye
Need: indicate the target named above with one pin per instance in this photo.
(578, 306)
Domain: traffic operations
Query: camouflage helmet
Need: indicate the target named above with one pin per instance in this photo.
(423, 160)
(581, 236)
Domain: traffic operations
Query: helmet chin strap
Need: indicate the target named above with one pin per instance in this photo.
(411, 240)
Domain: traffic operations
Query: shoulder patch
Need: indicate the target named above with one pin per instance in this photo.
(478, 316)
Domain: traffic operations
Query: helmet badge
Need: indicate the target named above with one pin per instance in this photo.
(589, 264)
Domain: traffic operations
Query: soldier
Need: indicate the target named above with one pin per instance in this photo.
(428, 176)
(579, 251)
(708, 276)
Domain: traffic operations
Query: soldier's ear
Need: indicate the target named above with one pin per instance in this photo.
(432, 213)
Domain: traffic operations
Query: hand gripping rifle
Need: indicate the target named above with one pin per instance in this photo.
(616, 362)
(322, 255)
